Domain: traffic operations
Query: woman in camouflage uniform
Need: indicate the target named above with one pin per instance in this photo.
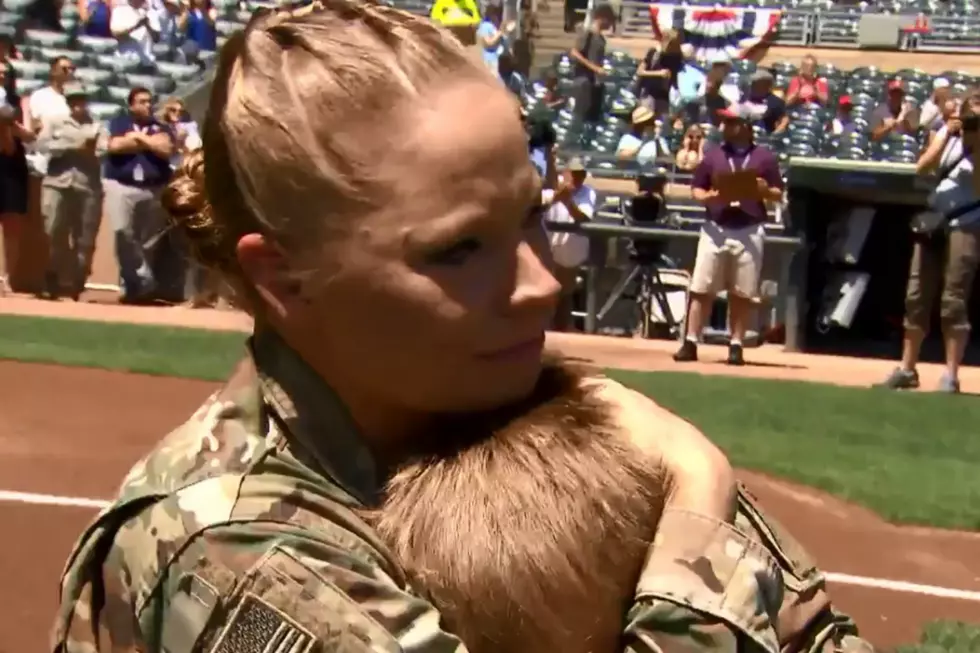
(367, 191)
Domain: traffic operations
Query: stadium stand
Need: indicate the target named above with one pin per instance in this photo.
(806, 135)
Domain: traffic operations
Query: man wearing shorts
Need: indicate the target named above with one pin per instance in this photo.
(729, 253)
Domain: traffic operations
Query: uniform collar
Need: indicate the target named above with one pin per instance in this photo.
(314, 417)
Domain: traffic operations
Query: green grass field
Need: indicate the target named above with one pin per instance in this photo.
(911, 458)
(946, 637)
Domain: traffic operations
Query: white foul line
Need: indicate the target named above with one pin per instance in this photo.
(902, 586)
(51, 500)
(833, 577)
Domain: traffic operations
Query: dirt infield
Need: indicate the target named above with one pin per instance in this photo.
(74, 432)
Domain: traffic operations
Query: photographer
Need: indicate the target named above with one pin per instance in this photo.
(946, 251)
(733, 181)
(572, 201)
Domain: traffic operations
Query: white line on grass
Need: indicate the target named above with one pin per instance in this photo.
(32, 498)
(51, 500)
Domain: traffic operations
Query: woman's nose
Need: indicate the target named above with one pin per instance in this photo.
(536, 287)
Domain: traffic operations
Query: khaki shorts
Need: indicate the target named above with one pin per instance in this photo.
(946, 269)
(728, 259)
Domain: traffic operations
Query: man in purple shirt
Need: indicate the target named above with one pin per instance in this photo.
(730, 248)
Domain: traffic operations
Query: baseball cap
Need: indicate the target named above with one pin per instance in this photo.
(575, 164)
(718, 58)
(845, 101)
(737, 112)
(896, 85)
(940, 82)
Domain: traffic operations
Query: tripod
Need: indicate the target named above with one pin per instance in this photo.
(646, 272)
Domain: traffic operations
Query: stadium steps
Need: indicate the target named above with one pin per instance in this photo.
(549, 38)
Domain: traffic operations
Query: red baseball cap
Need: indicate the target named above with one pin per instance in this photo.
(896, 85)
(845, 101)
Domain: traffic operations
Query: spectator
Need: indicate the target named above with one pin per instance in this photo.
(553, 98)
(767, 104)
(187, 135)
(512, 79)
(197, 25)
(137, 168)
(492, 38)
(729, 255)
(200, 289)
(49, 102)
(172, 15)
(42, 15)
(658, 72)
(947, 258)
(541, 144)
(587, 57)
(13, 183)
(685, 100)
(931, 112)
(949, 109)
(807, 88)
(9, 85)
(573, 201)
(95, 17)
(71, 193)
(642, 144)
(716, 93)
(691, 152)
(843, 122)
(46, 104)
(136, 28)
(896, 115)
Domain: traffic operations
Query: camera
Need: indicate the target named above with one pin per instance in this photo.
(648, 205)
(648, 208)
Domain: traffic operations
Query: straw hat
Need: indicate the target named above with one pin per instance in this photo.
(642, 114)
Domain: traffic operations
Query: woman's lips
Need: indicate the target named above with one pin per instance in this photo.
(528, 348)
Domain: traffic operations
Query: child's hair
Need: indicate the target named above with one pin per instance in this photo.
(527, 527)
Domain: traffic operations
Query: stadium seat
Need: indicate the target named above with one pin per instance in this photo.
(94, 45)
(36, 39)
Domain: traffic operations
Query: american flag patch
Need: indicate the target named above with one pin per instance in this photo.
(257, 627)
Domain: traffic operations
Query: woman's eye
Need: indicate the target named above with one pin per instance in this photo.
(456, 254)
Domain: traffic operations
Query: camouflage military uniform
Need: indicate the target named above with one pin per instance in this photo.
(239, 534)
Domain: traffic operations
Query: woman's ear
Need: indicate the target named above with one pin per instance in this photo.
(269, 270)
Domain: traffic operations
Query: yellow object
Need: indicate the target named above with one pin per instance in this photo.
(455, 13)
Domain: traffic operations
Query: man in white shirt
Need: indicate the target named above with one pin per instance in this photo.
(48, 104)
(931, 113)
(136, 27)
(572, 201)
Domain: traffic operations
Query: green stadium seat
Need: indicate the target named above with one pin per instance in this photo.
(36, 39)
(96, 44)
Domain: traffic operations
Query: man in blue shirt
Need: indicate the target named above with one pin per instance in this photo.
(137, 169)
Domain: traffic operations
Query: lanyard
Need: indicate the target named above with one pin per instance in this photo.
(745, 160)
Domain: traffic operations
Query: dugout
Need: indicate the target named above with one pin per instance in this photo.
(854, 218)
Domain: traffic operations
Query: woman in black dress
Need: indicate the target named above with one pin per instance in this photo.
(13, 179)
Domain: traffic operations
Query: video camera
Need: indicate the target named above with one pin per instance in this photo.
(648, 208)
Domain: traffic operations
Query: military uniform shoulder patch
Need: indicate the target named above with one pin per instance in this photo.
(258, 627)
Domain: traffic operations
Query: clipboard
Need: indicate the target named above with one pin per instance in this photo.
(738, 185)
